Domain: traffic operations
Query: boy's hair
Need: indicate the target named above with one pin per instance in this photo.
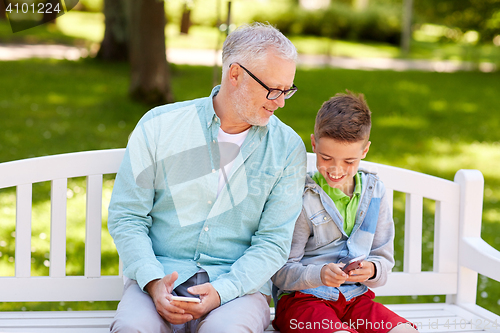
(345, 118)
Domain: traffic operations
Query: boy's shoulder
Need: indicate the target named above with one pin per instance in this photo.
(309, 180)
(311, 196)
(367, 171)
(369, 174)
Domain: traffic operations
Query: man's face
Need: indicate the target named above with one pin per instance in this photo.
(250, 102)
(339, 161)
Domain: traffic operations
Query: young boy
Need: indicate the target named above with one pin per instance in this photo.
(345, 214)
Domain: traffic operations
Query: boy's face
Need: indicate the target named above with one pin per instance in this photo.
(338, 161)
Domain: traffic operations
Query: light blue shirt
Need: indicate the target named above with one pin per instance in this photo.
(165, 215)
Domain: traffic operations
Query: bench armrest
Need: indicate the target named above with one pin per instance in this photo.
(481, 257)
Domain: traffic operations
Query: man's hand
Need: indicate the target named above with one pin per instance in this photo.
(332, 275)
(161, 293)
(210, 299)
(365, 271)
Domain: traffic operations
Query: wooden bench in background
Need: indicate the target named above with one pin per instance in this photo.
(459, 252)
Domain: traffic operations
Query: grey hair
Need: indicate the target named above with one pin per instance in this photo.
(251, 43)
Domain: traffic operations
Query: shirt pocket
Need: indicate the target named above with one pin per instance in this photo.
(325, 230)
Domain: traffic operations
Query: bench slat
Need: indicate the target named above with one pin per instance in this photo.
(93, 226)
(389, 193)
(55, 314)
(56, 321)
(413, 234)
(58, 330)
(443, 317)
(408, 181)
(446, 237)
(424, 283)
(23, 230)
(46, 168)
(67, 289)
(58, 227)
(49, 322)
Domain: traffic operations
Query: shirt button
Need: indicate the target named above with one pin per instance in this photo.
(213, 170)
(209, 202)
(324, 218)
(213, 141)
(206, 228)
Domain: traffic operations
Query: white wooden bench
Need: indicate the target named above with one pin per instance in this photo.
(459, 252)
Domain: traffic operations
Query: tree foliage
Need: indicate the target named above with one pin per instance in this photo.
(480, 15)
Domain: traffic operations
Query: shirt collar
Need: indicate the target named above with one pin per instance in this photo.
(211, 115)
(335, 193)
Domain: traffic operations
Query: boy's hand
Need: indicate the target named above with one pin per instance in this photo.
(363, 273)
(332, 275)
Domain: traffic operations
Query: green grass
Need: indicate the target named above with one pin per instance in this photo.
(435, 123)
(42, 34)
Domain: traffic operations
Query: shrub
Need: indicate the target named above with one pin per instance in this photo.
(340, 21)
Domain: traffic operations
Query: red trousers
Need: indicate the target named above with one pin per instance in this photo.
(300, 312)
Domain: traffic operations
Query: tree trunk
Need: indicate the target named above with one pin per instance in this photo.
(115, 44)
(185, 19)
(51, 15)
(150, 78)
(406, 27)
(2, 11)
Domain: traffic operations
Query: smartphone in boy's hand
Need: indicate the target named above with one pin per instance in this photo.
(353, 264)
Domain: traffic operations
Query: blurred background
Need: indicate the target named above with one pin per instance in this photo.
(429, 70)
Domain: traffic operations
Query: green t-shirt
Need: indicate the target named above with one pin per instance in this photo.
(346, 206)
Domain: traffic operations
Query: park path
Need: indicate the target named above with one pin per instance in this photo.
(9, 52)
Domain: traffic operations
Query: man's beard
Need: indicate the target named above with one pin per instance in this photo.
(241, 104)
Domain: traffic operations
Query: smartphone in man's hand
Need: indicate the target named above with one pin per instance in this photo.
(186, 299)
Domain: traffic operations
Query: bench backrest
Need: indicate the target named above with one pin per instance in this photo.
(57, 286)
(443, 279)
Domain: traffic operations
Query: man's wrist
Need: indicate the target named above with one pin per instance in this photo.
(218, 296)
(150, 285)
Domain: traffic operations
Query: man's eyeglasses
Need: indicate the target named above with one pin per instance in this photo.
(273, 93)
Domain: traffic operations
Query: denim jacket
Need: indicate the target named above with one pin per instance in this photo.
(319, 239)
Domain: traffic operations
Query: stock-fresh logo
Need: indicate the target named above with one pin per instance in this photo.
(26, 14)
